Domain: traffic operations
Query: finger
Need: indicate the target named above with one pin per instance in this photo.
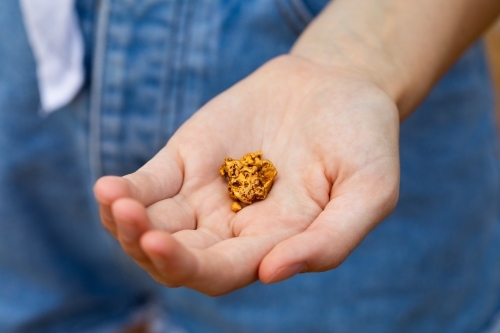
(224, 267)
(334, 234)
(172, 214)
(161, 178)
(131, 223)
(107, 189)
(207, 207)
(200, 238)
(215, 262)
(199, 221)
(107, 220)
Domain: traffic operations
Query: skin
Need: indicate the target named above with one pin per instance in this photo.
(327, 115)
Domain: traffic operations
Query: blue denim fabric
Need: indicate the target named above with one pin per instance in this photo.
(432, 266)
(59, 271)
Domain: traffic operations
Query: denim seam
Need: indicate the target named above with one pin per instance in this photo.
(96, 90)
(163, 89)
(301, 11)
(168, 105)
(295, 13)
(181, 38)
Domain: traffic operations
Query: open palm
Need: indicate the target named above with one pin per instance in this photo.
(332, 136)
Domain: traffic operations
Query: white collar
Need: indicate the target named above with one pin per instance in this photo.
(57, 44)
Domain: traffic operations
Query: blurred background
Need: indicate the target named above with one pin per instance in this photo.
(493, 43)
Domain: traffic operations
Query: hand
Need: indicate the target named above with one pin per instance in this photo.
(333, 137)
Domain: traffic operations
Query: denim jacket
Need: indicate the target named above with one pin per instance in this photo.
(432, 266)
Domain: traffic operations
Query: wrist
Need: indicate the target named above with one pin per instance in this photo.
(403, 47)
(360, 60)
(369, 55)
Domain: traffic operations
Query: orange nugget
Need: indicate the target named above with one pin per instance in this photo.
(249, 179)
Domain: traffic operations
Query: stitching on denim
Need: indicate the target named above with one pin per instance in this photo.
(172, 104)
(162, 91)
(96, 91)
(295, 13)
(301, 11)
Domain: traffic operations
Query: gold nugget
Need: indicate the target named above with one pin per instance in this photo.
(236, 207)
(249, 179)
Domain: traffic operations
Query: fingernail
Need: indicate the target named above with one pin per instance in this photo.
(287, 272)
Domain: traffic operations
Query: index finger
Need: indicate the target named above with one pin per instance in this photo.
(159, 179)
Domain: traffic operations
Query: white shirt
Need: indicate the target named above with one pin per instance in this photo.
(57, 44)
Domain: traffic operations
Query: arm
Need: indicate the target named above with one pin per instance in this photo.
(403, 46)
(331, 111)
